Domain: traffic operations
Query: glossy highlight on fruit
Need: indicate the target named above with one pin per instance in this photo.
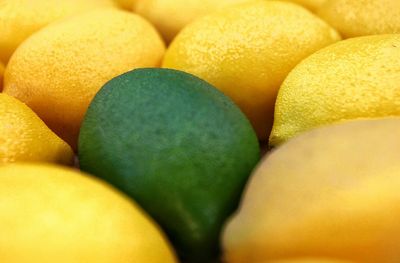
(176, 145)
(247, 50)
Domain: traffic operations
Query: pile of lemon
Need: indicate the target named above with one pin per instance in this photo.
(131, 131)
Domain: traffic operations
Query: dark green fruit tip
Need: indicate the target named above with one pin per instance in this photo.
(175, 144)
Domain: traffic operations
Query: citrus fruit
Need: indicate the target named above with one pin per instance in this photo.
(21, 18)
(24, 136)
(313, 5)
(126, 4)
(362, 17)
(247, 50)
(355, 78)
(170, 16)
(58, 70)
(54, 214)
(1, 76)
(330, 193)
(175, 144)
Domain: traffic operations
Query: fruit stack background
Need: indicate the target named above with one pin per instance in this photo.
(199, 131)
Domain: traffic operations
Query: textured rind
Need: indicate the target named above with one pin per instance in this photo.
(21, 18)
(175, 144)
(329, 193)
(57, 71)
(362, 17)
(46, 209)
(355, 78)
(169, 21)
(246, 51)
(25, 138)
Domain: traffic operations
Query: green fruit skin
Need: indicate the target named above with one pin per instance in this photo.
(176, 145)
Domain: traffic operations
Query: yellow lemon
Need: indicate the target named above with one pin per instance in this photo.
(355, 78)
(353, 18)
(24, 136)
(127, 4)
(21, 18)
(247, 50)
(170, 16)
(58, 70)
(313, 5)
(52, 214)
(329, 193)
(1, 76)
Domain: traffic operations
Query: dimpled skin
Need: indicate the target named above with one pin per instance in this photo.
(355, 78)
(170, 16)
(330, 193)
(176, 145)
(53, 214)
(59, 70)
(362, 17)
(313, 5)
(247, 50)
(24, 136)
(21, 18)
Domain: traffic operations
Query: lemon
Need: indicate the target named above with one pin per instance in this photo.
(313, 5)
(362, 17)
(54, 214)
(170, 16)
(24, 136)
(58, 70)
(21, 18)
(247, 50)
(330, 193)
(127, 4)
(1, 76)
(355, 78)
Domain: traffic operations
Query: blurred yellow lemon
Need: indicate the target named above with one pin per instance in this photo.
(52, 214)
(329, 193)
(21, 18)
(313, 5)
(1, 76)
(362, 17)
(24, 136)
(58, 70)
(126, 4)
(170, 16)
(355, 78)
(247, 50)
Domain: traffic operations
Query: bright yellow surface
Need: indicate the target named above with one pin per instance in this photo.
(24, 136)
(126, 4)
(52, 214)
(246, 51)
(330, 193)
(59, 70)
(353, 18)
(313, 5)
(21, 18)
(355, 78)
(170, 16)
(1, 75)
